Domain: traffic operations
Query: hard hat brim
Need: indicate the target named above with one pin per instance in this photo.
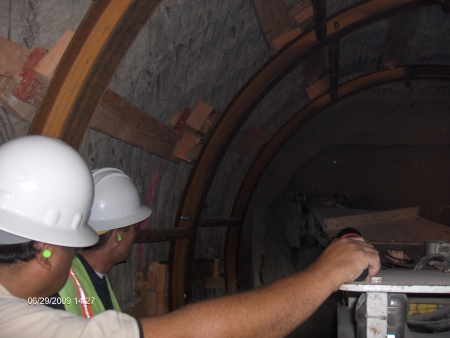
(138, 216)
(17, 226)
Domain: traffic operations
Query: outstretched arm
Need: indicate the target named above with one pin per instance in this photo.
(274, 310)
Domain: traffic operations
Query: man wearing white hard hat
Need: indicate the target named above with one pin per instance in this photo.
(46, 193)
(116, 215)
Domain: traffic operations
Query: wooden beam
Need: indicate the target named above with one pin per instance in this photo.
(273, 18)
(90, 61)
(237, 112)
(121, 119)
(160, 235)
(334, 69)
(400, 32)
(12, 58)
(115, 116)
(320, 18)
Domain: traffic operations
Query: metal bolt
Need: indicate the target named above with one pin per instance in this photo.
(376, 279)
(336, 25)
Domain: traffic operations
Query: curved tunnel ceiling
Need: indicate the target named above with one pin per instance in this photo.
(86, 70)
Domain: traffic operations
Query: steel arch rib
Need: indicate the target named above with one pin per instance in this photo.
(422, 72)
(201, 177)
(90, 61)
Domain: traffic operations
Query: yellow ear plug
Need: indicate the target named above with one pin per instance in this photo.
(46, 253)
(119, 238)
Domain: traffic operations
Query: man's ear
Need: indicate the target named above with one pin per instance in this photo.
(116, 236)
(43, 257)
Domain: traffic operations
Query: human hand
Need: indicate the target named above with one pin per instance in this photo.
(346, 258)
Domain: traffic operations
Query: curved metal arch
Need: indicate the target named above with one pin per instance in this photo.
(350, 88)
(236, 113)
(90, 61)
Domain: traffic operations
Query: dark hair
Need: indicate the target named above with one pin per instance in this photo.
(103, 239)
(12, 253)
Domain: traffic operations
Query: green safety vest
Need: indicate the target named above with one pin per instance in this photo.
(70, 295)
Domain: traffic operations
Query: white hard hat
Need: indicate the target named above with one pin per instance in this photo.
(46, 193)
(116, 201)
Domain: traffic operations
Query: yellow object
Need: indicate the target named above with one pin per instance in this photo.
(421, 308)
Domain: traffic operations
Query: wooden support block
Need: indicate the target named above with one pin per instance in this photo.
(304, 15)
(45, 69)
(318, 88)
(215, 268)
(246, 144)
(182, 148)
(28, 87)
(214, 283)
(12, 58)
(198, 116)
(143, 290)
(205, 127)
(36, 55)
(138, 279)
(175, 118)
(20, 109)
(194, 152)
(162, 278)
(179, 126)
(151, 275)
(152, 302)
(284, 39)
(162, 303)
(212, 253)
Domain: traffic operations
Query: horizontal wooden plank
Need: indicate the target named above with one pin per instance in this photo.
(160, 235)
(121, 119)
(335, 224)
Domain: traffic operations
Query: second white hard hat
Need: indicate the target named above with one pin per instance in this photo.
(46, 193)
(116, 201)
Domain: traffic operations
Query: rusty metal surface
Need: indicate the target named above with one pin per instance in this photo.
(240, 108)
(91, 59)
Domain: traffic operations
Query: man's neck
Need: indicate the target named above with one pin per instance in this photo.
(99, 260)
(16, 280)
